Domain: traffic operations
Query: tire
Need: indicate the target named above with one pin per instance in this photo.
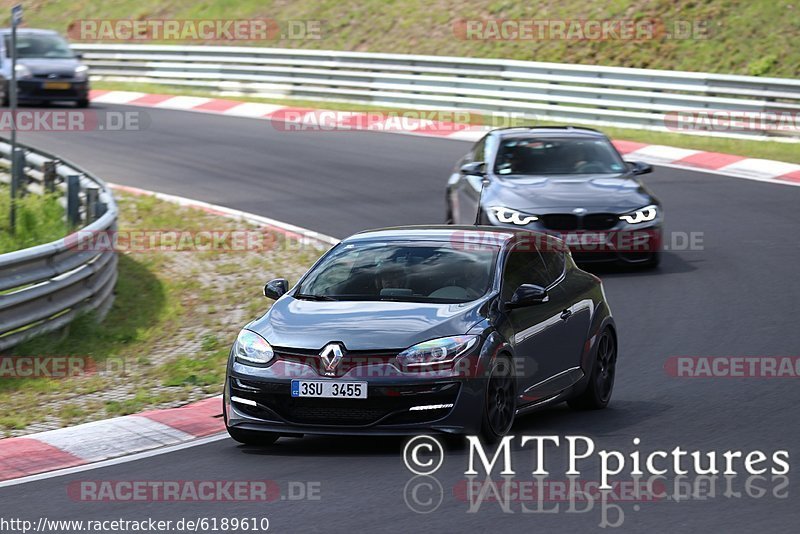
(500, 400)
(250, 437)
(83, 103)
(601, 382)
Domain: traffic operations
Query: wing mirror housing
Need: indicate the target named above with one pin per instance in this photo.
(275, 289)
(527, 295)
(639, 167)
(475, 168)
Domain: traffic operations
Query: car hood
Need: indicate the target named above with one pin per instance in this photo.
(549, 194)
(361, 325)
(50, 65)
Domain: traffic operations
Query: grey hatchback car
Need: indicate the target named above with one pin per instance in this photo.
(445, 329)
(47, 68)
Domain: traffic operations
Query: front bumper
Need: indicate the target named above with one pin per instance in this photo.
(443, 402)
(35, 90)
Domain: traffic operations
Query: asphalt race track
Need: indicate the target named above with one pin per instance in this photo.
(738, 296)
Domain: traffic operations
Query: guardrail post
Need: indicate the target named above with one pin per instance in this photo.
(73, 200)
(18, 177)
(49, 176)
(92, 204)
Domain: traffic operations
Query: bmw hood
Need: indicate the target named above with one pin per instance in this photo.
(362, 325)
(552, 194)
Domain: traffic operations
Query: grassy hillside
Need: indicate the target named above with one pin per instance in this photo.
(755, 37)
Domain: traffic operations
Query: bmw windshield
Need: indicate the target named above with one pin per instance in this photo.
(438, 272)
(533, 156)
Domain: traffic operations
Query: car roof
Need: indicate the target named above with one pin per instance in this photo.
(443, 232)
(5, 31)
(548, 131)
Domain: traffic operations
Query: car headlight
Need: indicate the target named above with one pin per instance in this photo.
(252, 348)
(507, 215)
(81, 72)
(436, 351)
(23, 72)
(646, 214)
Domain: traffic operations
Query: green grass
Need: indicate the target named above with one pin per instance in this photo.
(756, 37)
(788, 152)
(165, 340)
(40, 219)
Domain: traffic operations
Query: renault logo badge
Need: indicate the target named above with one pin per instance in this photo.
(331, 355)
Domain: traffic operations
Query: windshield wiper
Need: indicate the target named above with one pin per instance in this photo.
(304, 296)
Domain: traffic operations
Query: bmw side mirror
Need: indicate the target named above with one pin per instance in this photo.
(475, 168)
(527, 295)
(639, 167)
(275, 289)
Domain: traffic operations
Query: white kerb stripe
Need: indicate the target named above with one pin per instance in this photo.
(183, 102)
(661, 153)
(118, 97)
(252, 109)
(760, 167)
(100, 440)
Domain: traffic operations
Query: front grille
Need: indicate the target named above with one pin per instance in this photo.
(600, 221)
(560, 221)
(55, 76)
(384, 404)
(565, 222)
(350, 359)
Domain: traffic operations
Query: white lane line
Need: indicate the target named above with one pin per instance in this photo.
(115, 461)
(309, 235)
(729, 174)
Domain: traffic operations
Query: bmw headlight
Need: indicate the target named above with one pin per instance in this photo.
(23, 72)
(646, 214)
(252, 348)
(436, 351)
(81, 72)
(509, 216)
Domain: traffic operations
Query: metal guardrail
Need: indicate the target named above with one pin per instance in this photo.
(610, 96)
(43, 288)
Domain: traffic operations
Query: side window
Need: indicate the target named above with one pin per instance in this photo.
(554, 262)
(479, 151)
(523, 267)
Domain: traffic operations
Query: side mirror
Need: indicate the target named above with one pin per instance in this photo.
(639, 167)
(476, 168)
(275, 289)
(527, 295)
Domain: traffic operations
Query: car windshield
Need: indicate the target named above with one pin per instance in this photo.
(439, 272)
(540, 156)
(41, 46)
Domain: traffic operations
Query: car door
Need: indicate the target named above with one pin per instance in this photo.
(535, 332)
(576, 308)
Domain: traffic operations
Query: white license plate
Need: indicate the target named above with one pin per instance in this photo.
(586, 238)
(329, 389)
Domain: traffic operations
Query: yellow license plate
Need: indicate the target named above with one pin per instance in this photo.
(57, 85)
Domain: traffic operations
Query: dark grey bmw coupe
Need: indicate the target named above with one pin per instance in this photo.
(566, 181)
(448, 329)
